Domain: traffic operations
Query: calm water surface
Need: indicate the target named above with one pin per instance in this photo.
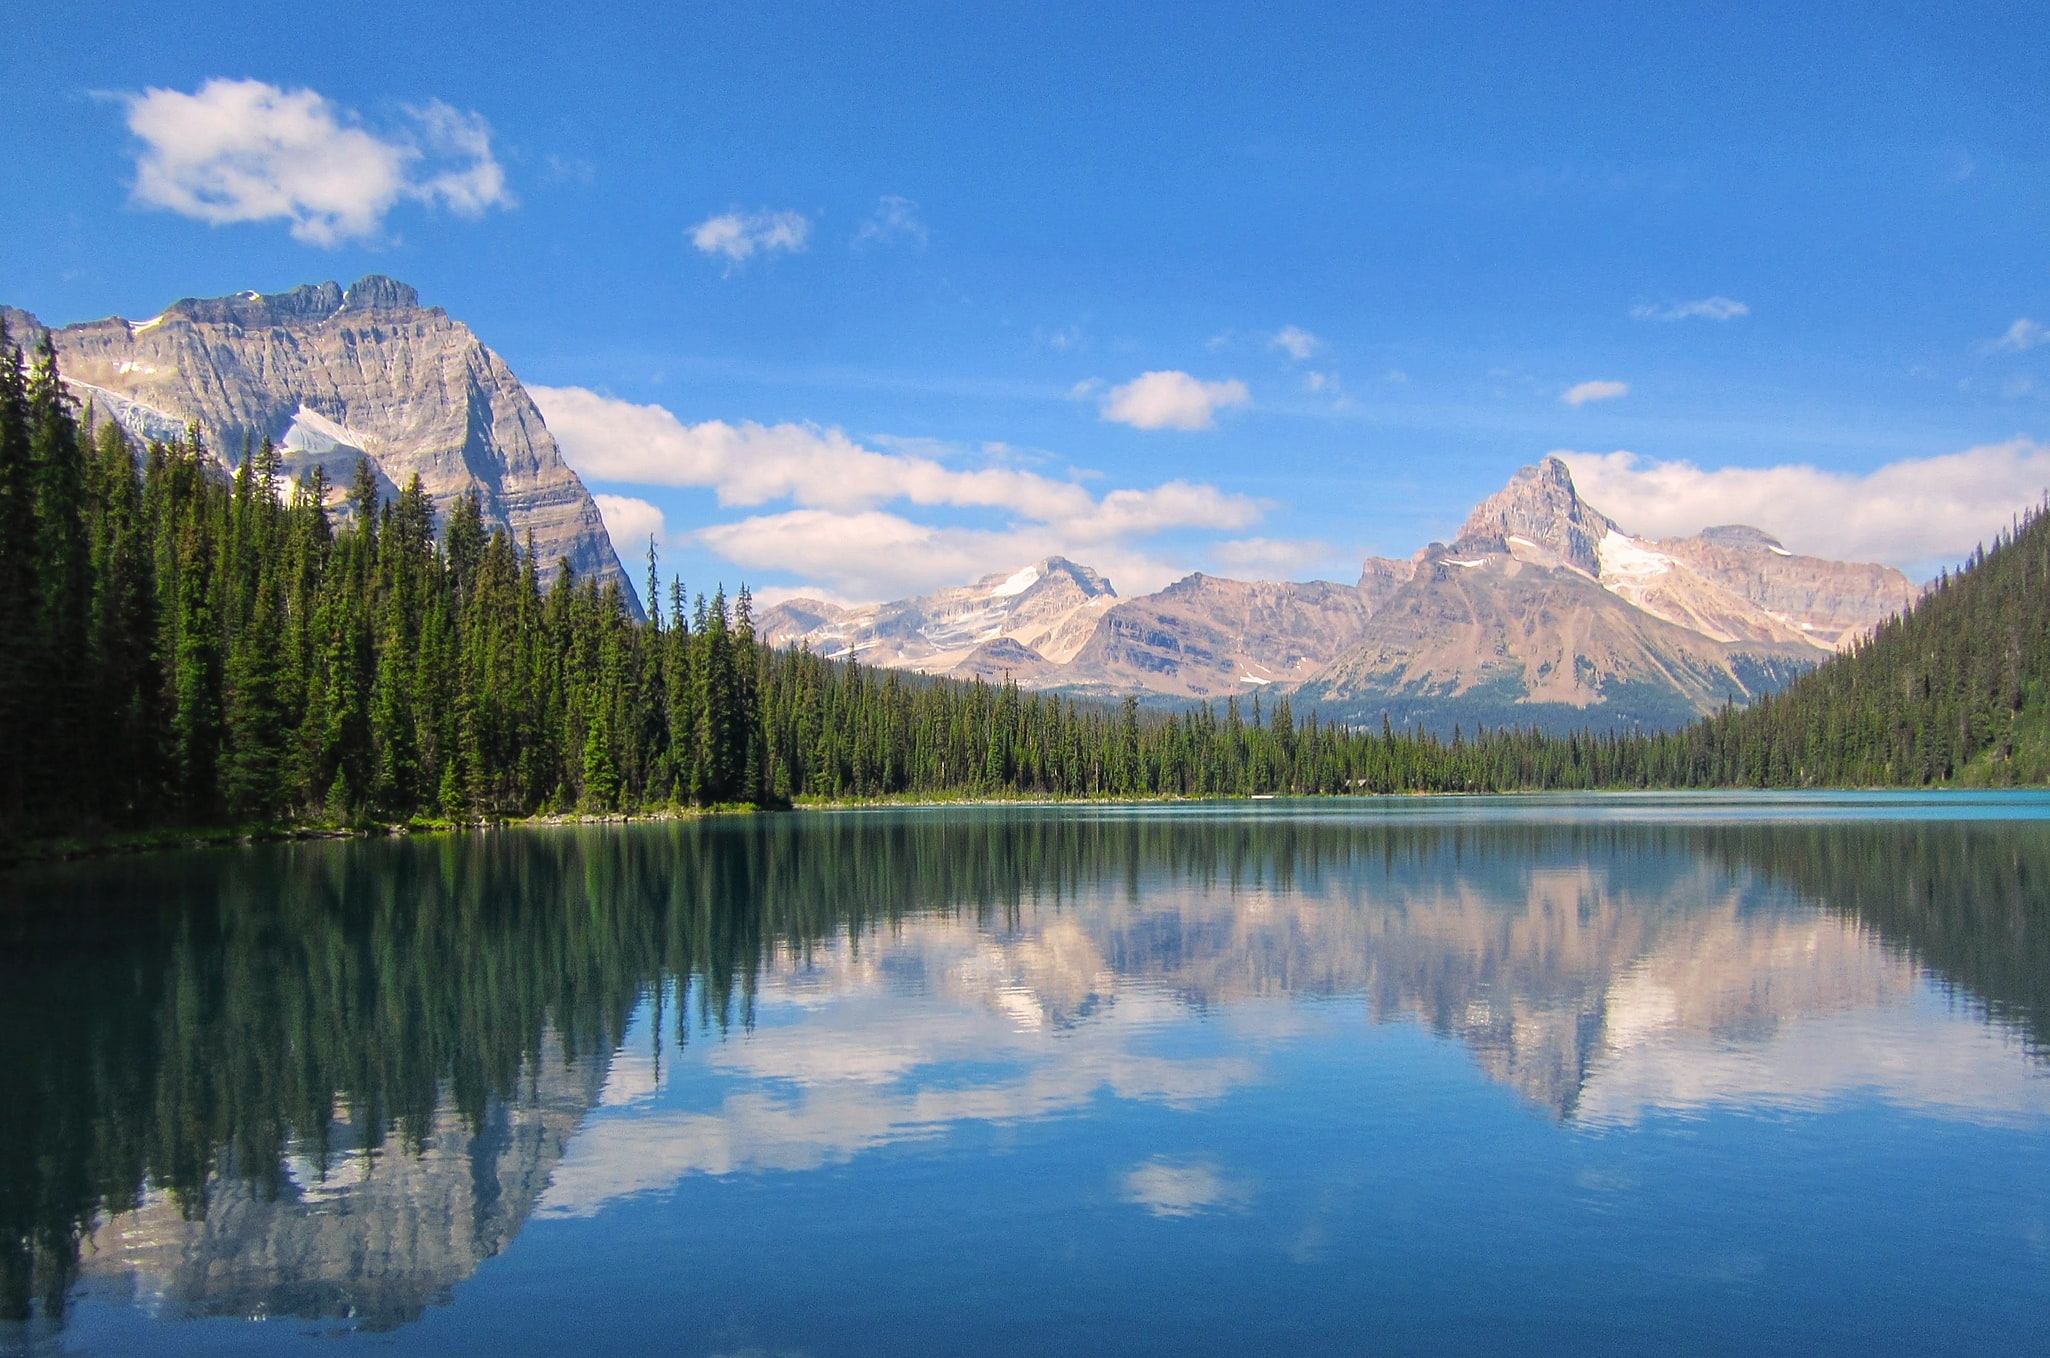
(1594, 1074)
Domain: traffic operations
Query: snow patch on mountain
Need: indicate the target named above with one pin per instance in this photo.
(1017, 584)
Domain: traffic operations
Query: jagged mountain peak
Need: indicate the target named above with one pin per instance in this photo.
(1051, 571)
(338, 376)
(1540, 511)
(307, 304)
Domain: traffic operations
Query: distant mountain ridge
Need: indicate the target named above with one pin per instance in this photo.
(1543, 611)
(335, 375)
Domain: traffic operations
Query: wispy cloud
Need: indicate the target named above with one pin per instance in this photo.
(2023, 334)
(738, 236)
(1706, 309)
(247, 151)
(894, 221)
(1907, 513)
(838, 530)
(1296, 342)
(1581, 394)
(1272, 558)
(1171, 400)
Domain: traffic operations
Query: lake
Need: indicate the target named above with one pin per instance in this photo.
(1604, 1074)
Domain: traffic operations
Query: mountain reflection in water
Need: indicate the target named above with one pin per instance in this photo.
(328, 1080)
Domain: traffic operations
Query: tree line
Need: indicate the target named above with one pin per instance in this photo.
(188, 647)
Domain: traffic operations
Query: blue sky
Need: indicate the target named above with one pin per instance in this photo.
(929, 250)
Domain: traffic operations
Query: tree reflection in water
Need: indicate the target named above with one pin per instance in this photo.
(330, 1079)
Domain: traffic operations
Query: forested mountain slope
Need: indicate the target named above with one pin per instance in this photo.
(1957, 687)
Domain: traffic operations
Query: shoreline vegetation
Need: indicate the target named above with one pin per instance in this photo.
(166, 838)
(192, 654)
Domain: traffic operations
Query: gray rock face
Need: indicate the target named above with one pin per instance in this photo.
(1494, 638)
(1203, 637)
(333, 376)
(1831, 603)
(1540, 511)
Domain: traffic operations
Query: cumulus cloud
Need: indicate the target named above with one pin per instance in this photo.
(630, 523)
(1910, 513)
(1594, 391)
(837, 531)
(895, 219)
(1295, 341)
(739, 236)
(247, 151)
(1171, 400)
(2023, 334)
(1706, 308)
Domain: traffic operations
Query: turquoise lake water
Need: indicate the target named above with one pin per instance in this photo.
(1593, 1074)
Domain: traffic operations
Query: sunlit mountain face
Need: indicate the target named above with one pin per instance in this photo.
(334, 1082)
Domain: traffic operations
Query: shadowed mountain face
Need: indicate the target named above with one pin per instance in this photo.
(329, 1080)
(332, 376)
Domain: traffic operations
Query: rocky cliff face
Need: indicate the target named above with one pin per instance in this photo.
(1541, 517)
(1495, 639)
(1545, 611)
(1830, 603)
(333, 376)
(1203, 637)
(1042, 614)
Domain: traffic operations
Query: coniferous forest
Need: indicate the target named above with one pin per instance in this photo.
(185, 647)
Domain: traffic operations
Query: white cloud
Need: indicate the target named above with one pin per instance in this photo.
(1706, 308)
(1270, 558)
(1907, 513)
(247, 151)
(630, 523)
(741, 235)
(895, 219)
(1295, 341)
(837, 532)
(1594, 391)
(2023, 334)
(1171, 400)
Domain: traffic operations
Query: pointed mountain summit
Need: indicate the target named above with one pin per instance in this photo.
(334, 376)
(1540, 512)
(1545, 612)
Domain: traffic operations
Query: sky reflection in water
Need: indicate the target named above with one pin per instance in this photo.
(1612, 1073)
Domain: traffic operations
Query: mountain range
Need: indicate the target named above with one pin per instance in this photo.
(334, 376)
(1541, 612)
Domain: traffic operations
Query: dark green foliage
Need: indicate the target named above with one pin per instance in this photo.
(188, 646)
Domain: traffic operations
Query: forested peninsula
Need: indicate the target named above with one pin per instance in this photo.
(185, 649)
